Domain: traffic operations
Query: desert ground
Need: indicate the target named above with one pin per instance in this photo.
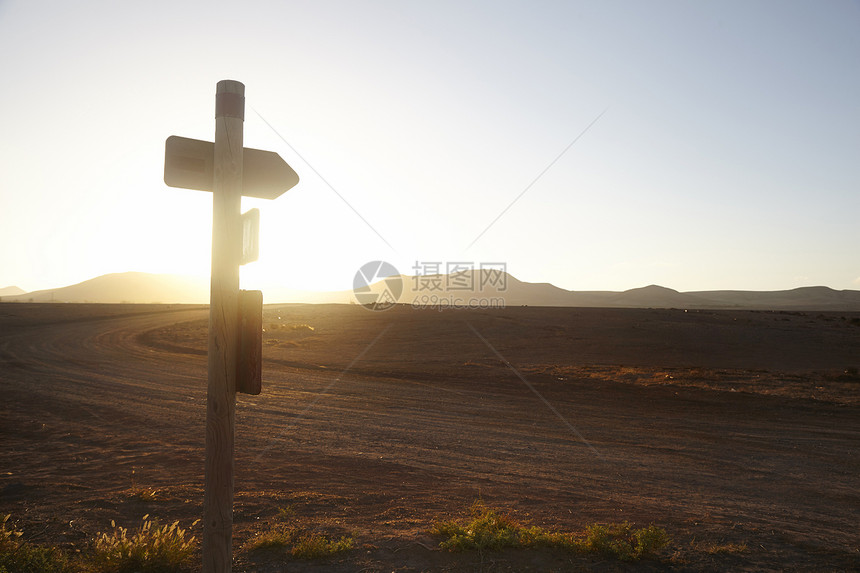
(736, 431)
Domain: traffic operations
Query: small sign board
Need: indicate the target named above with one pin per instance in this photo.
(190, 164)
(250, 236)
(249, 365)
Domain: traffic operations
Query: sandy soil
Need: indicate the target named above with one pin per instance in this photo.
(727, 427)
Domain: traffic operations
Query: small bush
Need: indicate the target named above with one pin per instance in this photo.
(624, 542)
(650, 540)
(152, 547)
(490, 529)
(538, 537)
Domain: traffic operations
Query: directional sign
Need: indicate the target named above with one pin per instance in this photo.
(190, 164)
(228, 170)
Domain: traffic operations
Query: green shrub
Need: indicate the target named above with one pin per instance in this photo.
(624, 542)
(650, 540)
(490, 529)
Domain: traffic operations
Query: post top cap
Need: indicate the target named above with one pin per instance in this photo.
(230, 87)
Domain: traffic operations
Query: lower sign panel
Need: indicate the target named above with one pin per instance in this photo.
(249, 366)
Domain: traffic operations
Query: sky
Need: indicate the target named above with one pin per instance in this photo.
(593, 145)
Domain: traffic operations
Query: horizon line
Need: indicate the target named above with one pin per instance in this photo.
(202, 279)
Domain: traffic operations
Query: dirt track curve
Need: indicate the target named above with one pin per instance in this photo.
(91, 408)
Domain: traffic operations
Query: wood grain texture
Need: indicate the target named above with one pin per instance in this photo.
(223, 330)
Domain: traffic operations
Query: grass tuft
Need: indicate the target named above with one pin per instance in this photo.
(727, 548)
(316, 546)
(276, 538)
(8, 537)
(285, 513)
(17, 556)
(302, 543)
(152, 547)
(145, 494)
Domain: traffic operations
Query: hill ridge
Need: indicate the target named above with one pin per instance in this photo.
(458, 289)
(11, 291)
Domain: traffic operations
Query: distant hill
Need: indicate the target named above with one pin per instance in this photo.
(478, 288)
(133, 287)
(11, 291)
(470, 288)
(812, 298)
(125, 287)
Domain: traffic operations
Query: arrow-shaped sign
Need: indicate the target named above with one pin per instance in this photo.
(189, 164)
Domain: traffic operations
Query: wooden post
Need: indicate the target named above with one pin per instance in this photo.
(223, 327)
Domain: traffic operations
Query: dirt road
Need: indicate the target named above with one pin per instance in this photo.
(375, 424)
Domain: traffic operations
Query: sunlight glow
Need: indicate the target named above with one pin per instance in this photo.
(725, 159)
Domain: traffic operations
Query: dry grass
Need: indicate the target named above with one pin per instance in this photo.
(145, 494)
(720, 548)
(152, 547)
(297, 540)
(155, 548)
(290, 327)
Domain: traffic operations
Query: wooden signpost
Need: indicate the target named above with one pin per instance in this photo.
(235, 318)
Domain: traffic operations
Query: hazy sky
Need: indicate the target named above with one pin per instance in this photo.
(728, 155)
